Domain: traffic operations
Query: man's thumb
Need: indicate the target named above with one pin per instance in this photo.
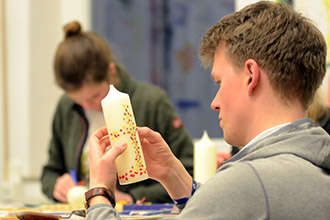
(119, 148)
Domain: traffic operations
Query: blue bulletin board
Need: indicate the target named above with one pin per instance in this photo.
(157, 41)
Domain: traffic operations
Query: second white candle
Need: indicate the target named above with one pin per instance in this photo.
(205, 159)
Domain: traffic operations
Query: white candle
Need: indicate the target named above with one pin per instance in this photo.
(76, 195)
(205, 159)
(120, 122)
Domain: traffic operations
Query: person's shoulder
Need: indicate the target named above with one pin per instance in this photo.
(265, 168)
(64, 103)
(228, 190)
(252, 171)
(238, 170)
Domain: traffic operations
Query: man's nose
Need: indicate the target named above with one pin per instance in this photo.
(215, 105)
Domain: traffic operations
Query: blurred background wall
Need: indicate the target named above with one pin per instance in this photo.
(157, 41)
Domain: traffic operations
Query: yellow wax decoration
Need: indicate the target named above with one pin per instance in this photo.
(120, 122)
(205, 159)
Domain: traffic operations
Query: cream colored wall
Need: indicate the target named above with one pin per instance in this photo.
(2, 91)
(32, 31)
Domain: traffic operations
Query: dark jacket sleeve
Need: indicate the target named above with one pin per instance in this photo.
(62, 156)
(174, 133)
(54, 167)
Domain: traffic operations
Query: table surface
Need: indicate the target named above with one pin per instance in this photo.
(143, 211)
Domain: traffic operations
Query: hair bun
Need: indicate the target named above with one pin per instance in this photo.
(71, 29)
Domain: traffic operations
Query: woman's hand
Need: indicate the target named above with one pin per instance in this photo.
(62, 186)
(121, 196)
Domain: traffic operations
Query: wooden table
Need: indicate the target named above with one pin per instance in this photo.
(65, 210)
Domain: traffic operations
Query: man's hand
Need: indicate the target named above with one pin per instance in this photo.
(157, 154)
(163, 166)
(102, 162)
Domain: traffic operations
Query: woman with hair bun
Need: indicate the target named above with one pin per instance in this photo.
(84, 69)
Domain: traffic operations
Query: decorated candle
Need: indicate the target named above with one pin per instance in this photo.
(205, 159)
(120, 122)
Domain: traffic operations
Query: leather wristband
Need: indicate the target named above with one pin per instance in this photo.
(99, 191)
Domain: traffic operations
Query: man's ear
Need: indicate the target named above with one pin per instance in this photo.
(253, 72)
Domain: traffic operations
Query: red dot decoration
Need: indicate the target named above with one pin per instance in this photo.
(129, 129)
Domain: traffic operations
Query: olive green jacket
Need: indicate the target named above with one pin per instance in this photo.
(151, 108)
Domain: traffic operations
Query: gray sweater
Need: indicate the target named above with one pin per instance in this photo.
(285, 175)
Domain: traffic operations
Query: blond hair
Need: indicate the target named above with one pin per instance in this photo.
(287, 45)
